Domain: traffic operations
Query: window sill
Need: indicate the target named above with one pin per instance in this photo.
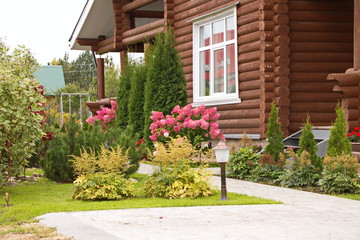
(214, 102)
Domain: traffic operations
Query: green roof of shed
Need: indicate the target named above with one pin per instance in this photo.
(51, 77)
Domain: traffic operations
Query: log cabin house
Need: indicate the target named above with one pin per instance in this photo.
(239, 55)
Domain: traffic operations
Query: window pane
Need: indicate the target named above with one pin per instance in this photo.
(218, 31)
(230, 69)
(205, 35)
(204, 73)
(230, 28)
(219, 71)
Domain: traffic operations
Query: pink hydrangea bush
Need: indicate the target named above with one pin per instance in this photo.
(104, 116)
(197, 124)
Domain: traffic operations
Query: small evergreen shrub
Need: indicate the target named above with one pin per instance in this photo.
(338, 143)
(102, 186)
(340, 174)
(301, 173)
(274, 134)
(307, 143)
(242, 163)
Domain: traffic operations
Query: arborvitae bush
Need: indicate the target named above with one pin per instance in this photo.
(307, 143)
(136, 101)
(274, 134)
(165, 84)
(124, 95)
(338, 143)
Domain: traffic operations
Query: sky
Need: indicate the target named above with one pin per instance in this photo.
(44, 26)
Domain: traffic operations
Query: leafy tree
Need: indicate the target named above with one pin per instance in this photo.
(338, 143)
(307, 143)
(21, 112)
(165, 84)
(274, 134)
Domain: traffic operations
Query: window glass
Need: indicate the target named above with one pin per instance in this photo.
(230, 28)
(219, 71)
(230, 69)
(204, 73)
(218, 31)
(205, 35)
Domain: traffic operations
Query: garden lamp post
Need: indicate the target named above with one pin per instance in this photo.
(222, 153)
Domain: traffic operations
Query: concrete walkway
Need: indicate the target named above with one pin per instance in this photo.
(303, 216)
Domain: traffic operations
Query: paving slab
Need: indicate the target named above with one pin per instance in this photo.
(303, 215)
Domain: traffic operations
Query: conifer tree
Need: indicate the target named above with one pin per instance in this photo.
(136, 101)
(338, 142)
(124, 95)
(308, 143)
(274, 134)
(165, 83)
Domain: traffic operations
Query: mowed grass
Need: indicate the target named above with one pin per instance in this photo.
(32, 200)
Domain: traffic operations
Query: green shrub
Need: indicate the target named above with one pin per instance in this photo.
(180, 181)
(241, 163)
(268, 170)
(274, 134)
(338, 143)
(102, 186)
(340, 174)
(302, 173)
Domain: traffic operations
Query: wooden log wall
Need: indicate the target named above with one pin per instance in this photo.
(321, 42)
(244, 116)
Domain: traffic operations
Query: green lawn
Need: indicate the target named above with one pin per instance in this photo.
(45, 196)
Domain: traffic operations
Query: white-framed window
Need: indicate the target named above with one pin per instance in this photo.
(215, 70)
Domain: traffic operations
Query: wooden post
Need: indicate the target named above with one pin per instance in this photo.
(123, 59)
(356, 35)
(100, 78)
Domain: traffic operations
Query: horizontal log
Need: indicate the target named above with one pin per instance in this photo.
(250, 66)
(282, 60)
(321, 26)
(269, 86)
(184, 39)
(314, 117)
(280, 19)
(267, 57)
(248, 18)
(188, 5)
(252, 94)
(349, 91)
(183, 31)
(245, 104)
(247, 130)
(181, 24)
(344, 79)
(266, 25)
(248, 28)
(142, 36)
(188, 78)
(319, 66)
(353, 114)
(281, 29)
(186, 54)
(136, 4)
(321, 57)
(353, 102)
(248, 8)
(282, 101)
(184, 47)
(249, 85)
(144, 28)
(187, 61)
(248, 38)
(319, 107)
(311, 87)
(239, 123)
(307, 98)
(266, 5)
(188, 70)
(332, 6)
(307, 76)
(249, 47)
(248, 57)
(282, 91)
(267, 46)
(267, 67)
(267, 36)
(282, 39)
(335, 37)
(266, 15)
(249, 76)
(281, 8)
(282, 81)
(105, 49)
(320, 16)
(240, 114)
(282, 50)
(282, 70)
(267, 76)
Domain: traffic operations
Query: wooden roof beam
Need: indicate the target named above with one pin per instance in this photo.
(90, 41)
(136, 4)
